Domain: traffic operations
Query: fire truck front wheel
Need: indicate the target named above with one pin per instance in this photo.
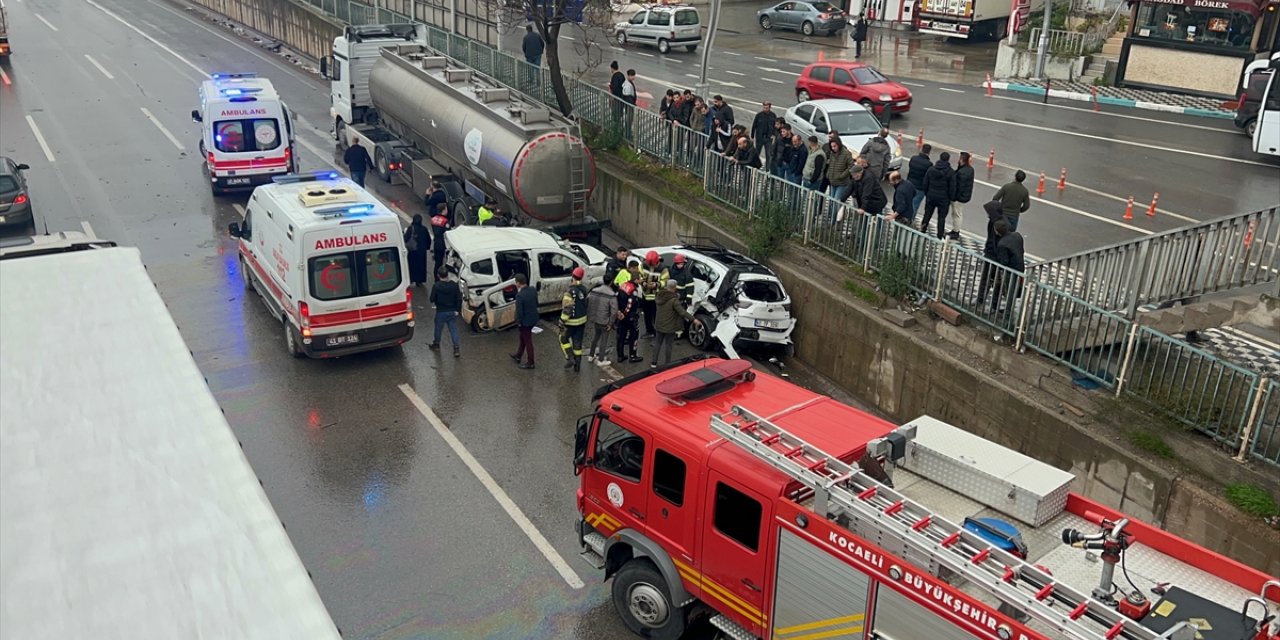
(642, 598)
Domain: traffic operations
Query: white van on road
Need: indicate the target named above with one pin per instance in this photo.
(486, 260)
(328, 259)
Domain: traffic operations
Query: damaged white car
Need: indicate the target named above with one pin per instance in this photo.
(738, 300)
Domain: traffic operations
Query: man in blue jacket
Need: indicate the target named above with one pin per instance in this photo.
(526, 318)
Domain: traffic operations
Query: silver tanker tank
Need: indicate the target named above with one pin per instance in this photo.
(530, 156)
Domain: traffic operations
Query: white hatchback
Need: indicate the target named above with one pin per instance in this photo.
(855, 123)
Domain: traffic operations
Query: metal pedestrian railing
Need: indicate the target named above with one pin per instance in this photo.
(1076, 310)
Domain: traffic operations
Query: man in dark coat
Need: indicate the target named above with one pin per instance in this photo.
(867, 190)
(859, 35)
(877, 152)
(964, 192)
(357, 161)
(1014, 198)
(916, 168)
(939, 191)
(904, 194)
(417, 241)
(526, 319)
(1011, 255)
(994, 214)
(616, 81)
(446, 296)
(532, 46)
(723, 110)
(762, 125)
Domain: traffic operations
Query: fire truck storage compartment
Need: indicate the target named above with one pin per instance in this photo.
(814, 585)
(1022, 487)
(898, 618)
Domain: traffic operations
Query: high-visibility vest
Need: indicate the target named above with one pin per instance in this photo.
(573, 310)
(623, 277)
(483, 215)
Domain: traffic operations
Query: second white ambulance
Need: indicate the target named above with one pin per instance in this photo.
(247, 135)
(328, 259)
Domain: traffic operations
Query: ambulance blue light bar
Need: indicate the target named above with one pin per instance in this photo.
(345, 211)
(294, 178)
(233, 76)
(239, 91)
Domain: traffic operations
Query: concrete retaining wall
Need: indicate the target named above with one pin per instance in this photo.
(302, 28)
(1012, 62)
(932, 370)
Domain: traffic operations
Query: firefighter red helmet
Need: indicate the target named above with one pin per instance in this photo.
(628, 288)
(651, 258)
(578, 273)
(679, 259)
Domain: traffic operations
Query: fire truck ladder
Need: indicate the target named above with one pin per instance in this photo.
(843, 490)
(577, 173)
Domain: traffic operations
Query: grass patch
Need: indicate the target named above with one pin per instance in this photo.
(1253, 500)
(770, 226)
(895, 276)
(865, 294)
(1152, 443)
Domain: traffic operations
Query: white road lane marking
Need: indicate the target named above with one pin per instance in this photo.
(88, 229)
(802, 66)
(549, 552)
(910, 84)
(691, 75)
(1233, 132)
(675, 60)
(148, 37)
(772, 70)
(731, 53)
(617, 48)
(1142, 145)
(772, 80)
(4, 77)
(647, 55)
(46, 22)
(177, 143)
(99, 66)
(764, 59)
(48, 153)
(238, 207)
(734, 73)
(949, 89)
(570, 38)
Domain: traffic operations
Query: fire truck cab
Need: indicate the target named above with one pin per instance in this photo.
(711, 491)
(246, 134)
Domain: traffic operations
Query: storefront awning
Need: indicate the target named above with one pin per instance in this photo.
(1251, 7)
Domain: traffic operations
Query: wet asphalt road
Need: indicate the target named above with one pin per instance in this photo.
(401, 539)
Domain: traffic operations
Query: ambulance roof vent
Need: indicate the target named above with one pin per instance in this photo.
(319, 195)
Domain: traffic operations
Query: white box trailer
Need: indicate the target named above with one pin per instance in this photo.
(127, 508)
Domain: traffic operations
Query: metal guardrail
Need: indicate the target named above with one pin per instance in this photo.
(1220, 255)
(1058, 310)
(1072, 43)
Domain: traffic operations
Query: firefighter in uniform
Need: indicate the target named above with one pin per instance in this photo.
(682, 274)
(652, 278)
(573, 321)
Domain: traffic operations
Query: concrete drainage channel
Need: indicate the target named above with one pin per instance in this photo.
(955, 374)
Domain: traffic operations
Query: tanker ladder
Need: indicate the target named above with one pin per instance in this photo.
(577, 173)
(845, 491)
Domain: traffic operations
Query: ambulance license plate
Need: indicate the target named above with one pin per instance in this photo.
(338, 341)
(231, 181)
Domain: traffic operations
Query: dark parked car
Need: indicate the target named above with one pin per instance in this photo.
(15, 204)
(809, 18)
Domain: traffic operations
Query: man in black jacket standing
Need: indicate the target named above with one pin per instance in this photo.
(357, 161)
(526, 319)
(859, 35)
(447, 298)
(867, 190)
(964, 192)
(939, 191)
(904, 195)
(762, 125)
(532, 46)
(1010, 254)
(616, 81)
(916, 168)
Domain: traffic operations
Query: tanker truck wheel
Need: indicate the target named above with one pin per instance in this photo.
(384, 168)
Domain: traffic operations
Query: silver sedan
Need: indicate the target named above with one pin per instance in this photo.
(809, 18)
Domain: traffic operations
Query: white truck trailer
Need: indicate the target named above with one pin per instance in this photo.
(127, 508)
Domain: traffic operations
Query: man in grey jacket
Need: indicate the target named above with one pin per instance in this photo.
(602, 311)
(877, 153)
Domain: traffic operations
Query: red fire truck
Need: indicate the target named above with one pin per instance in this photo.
(711, 492)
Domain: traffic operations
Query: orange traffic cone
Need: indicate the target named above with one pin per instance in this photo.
(1128, 210)
(820, 57)
(1248, 235)
(991, 159)
(920, 139)
(988, 85)
(1062, 180)
(1040, 187)
(1151, 210)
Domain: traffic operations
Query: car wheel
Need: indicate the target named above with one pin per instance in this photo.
(291, 344)
(664, 46)
(1250, 127)
(807, 28)
(340, 131)
(621, 38)
(802, 96)
(700, 334)
(640, 594)
(384, 168)
(245, 275)
(766, 23)
(691, 48)
(479, 322)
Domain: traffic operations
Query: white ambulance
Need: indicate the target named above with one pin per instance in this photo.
(329, 261)
(247, 132)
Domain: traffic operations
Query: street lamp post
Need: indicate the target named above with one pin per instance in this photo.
(1043, 46)
(703, 88)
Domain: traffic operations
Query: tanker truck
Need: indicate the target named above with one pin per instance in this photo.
(424, 117)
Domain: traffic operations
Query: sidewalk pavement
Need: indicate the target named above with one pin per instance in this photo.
(1138, 98)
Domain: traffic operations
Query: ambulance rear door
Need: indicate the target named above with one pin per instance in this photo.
(248, 139)
(355, 280)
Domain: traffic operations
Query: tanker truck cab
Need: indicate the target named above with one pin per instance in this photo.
(486, 260)
(328, 260)
(247, 133)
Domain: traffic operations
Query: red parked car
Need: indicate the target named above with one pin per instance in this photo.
(855, 81)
